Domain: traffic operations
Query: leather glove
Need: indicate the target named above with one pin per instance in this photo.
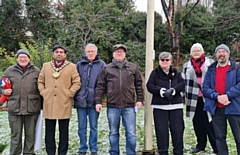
(162, 91)
(169, 94)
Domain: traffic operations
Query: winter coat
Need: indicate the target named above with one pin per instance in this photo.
(25, 98)
(192, 87)
(120, 86)
(89, 73)
(58, 92)
(232, 89)
(159, 79)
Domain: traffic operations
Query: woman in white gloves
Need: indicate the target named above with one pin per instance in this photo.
(165, 84)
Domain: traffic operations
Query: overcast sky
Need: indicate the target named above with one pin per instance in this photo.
(142, 5)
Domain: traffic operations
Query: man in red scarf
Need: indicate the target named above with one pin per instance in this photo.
(193, 72)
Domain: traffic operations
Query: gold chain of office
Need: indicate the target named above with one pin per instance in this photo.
(56, 74)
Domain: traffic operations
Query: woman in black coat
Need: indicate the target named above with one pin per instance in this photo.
(166, 84)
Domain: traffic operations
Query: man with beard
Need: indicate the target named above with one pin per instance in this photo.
(221, 88)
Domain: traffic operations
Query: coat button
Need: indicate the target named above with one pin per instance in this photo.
(55, 95)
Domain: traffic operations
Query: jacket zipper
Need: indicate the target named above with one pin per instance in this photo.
(170, 84)
(121, 87)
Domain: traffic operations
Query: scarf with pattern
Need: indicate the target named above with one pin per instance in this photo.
(197, 64)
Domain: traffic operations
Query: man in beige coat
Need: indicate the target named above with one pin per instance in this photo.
(58, 82)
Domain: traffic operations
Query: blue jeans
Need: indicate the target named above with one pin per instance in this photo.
(82, 128)
(129, 123)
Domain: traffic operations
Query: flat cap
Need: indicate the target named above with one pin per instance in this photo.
(115, 47)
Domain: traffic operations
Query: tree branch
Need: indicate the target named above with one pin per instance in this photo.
(185, 16)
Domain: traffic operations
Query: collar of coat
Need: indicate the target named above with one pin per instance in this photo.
(231, 61)
(161, 74)
(84, 59)
(20, 67)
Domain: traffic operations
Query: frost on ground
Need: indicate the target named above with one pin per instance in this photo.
(103, 144)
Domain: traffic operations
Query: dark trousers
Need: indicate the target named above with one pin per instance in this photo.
(220, 127)
(50, 127)
(17, 123)
(165, 120)
(203, 128)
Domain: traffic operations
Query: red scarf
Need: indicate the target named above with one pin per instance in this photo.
(197, 64)
(56, 65)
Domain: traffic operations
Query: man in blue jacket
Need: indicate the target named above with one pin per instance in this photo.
(221, 88)
(88, 68)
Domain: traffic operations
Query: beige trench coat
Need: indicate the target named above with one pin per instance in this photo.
(58, 92)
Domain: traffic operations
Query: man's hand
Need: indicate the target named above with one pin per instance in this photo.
(98, 107)
(223, 99)
(139, 105)
(7, 92)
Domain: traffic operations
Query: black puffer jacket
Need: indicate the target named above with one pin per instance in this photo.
(120, 86)
(159, 79)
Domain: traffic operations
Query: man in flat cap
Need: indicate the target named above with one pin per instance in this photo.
(58, 82)
(121, 80)
(221, 88)
(24, 103)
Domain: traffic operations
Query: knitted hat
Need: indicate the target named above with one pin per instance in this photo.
(198, 45)
(222, 46)
(115, 47)
(22, 51)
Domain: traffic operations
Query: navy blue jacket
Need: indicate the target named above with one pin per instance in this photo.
(232, 89)
(89, 73)
(159, 79)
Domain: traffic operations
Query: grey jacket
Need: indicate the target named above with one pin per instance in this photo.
(25, 98)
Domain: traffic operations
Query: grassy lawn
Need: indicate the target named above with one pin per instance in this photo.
(103, 144)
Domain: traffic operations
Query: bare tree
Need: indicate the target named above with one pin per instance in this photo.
(175, 16)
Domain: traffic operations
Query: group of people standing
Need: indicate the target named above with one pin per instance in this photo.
(61, 83)
(212, 96)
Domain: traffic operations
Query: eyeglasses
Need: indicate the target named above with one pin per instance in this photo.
(90, 51)
(23, 57)
(165, 60)
(119, 52)
(195, 51)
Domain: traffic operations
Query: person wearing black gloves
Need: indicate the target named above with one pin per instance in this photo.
(166, 84)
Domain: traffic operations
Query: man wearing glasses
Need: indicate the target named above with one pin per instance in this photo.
(221, 88)
(24, 103)
(121, 80)
(89, 68)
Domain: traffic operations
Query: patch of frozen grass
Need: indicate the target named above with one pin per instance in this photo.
(103, 143)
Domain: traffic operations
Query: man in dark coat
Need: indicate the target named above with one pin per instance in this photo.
(89, 68)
